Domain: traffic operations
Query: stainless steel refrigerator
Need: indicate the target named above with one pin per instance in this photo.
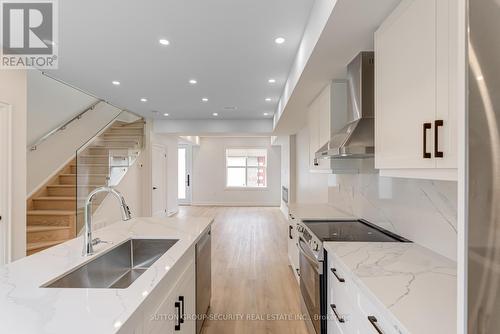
(483, 226)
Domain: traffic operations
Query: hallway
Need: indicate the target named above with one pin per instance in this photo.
(252, 281)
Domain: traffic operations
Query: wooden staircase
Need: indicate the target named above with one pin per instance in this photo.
(52, 210)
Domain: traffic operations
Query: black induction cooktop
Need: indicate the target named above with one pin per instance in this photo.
(351, 230)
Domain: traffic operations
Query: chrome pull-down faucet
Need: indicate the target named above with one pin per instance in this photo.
(88, 242)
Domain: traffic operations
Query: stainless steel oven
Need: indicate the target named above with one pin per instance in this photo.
(311, 280)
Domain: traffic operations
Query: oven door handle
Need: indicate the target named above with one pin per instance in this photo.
(309, 258)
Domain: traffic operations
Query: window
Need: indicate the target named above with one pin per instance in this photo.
(246, 168)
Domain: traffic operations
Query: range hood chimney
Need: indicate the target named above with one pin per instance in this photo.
(356, 140)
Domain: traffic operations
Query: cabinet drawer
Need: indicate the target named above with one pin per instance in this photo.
(366, 311)
(342, 293)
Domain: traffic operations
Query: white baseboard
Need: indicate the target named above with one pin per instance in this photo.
(233, 204)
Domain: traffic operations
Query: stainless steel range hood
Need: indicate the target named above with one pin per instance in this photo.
(356, 139)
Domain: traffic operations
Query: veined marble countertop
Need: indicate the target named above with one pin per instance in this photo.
(416, 285)
(25, 308)
(317, 212)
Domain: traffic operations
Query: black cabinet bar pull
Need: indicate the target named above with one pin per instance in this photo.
(177, 326)
(374, 323)
(340, 279)
(437, 124)
(290, 228)
(334, 309)
(427, 126)
(181, 300)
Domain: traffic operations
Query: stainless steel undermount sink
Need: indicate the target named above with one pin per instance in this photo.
(117, 268)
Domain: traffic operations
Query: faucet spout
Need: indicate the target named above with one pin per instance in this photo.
(88, 245)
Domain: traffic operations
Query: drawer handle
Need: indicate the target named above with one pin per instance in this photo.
(437, 153)
(427, 126)
(374, 323)
(334, 309)
(340, 279)
(181, 300)
(177, 326)
(290, 228)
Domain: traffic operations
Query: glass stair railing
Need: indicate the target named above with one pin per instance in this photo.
(106, 158)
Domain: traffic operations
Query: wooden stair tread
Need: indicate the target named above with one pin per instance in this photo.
(90, 165)
(41, 244)
(51, 212)
(74, 185)
(55, 198)
(85, 175)
(42, 228)
(94, 156)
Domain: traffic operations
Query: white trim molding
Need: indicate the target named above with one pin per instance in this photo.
(5, 183)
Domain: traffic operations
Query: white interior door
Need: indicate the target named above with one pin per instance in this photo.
(159, 180)
(5, 183)
(185, 179)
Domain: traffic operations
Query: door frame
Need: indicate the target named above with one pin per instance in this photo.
(5, 183)
(189, 172)
(165, 179)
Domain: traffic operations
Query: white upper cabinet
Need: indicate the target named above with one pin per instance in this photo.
(416, 68)
(326, 115)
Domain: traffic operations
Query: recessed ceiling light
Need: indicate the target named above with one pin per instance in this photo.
(164, 41)
(268, 99)
(215, 114)
(480, 78)
(279, 40)
(271, 81)
(144, 99)
(116, 83)
(166, 114)
(204, 99)
(193, 81)
(266, 114)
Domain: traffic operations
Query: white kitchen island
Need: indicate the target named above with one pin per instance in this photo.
(143, 307)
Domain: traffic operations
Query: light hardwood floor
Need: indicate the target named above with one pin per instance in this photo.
(250, 272)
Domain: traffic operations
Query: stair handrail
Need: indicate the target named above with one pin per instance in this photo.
(33, 146)
(63, 126)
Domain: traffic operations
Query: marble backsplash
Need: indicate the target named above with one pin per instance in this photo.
(424, 211)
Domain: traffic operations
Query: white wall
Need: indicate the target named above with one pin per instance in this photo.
(13, 91)
(132, 189)
(58, 150)
(311, 188)
(212, 127)
(51, 103)
(209, 182)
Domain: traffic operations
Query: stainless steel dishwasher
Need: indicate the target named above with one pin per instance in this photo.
(203, 278)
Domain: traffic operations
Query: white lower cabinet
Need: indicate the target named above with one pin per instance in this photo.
(350, 311)
(172, 306)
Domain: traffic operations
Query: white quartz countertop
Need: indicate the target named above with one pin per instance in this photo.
(27, 308)
(416, 285)
(317, 212)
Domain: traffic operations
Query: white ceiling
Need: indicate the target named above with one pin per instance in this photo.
(226, 45)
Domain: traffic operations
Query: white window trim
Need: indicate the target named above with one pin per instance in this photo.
(247, 188)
